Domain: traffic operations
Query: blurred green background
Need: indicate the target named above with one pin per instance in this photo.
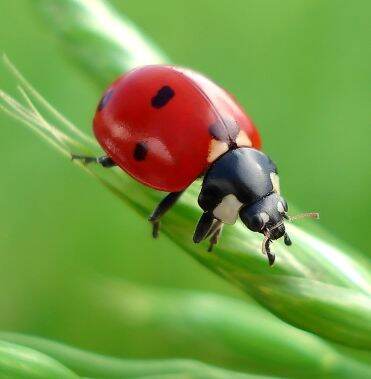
(300, 68)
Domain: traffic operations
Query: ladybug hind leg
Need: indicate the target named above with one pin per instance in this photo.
(166, 203)
(104, 161)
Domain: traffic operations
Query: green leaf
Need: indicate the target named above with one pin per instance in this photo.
(314, 285)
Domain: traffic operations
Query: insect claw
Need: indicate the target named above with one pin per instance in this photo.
(155, 228)
(83, 159)
(271, 258)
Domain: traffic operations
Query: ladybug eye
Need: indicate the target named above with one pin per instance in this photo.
(255, 223)
(258, 221)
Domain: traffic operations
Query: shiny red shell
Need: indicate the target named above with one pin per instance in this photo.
(165, 125)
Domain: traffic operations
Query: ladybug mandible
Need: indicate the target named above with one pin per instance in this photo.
(166, 126)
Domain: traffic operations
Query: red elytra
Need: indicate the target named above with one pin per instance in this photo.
(165, 125)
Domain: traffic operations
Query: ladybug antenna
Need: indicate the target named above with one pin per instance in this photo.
(300, 216)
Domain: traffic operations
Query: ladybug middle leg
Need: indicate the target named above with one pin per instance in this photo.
(104, 161)
(166, 203)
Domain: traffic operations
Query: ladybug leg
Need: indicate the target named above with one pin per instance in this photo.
(166, 203)
(287, 239)
(203, 227)
(214, 234)
(271, 256)
(103, 161)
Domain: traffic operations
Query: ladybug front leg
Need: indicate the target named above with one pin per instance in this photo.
(166, 203)
(271, 256)
(214, 234)
(105, 161)
(203, 227)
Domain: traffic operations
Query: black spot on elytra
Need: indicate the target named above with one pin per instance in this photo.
(140, 151)
(226, 131)
(105, 99)
(163, 96)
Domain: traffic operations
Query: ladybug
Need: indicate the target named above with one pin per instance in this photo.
(166, 126)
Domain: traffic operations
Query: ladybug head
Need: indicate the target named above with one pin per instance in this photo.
(267, 216)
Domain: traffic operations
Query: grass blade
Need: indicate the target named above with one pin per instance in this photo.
(89, 364)
(20, 362)
(91, 28)
(255, 339)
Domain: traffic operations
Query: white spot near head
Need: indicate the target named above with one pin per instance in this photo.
(243, 140)
(227, 210)
(280, 207)
(216, 149)
(275, 182)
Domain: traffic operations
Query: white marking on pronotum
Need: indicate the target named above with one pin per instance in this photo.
(216, 149)
(275, 182)
(227, 210)
(243, 139)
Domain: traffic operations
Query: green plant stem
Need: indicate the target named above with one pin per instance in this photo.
(255, 338)
(20, 362)
(91, 28)
(94, 365)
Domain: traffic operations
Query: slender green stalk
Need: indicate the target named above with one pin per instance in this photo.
(20, 362)
(255, 338)
(88, 364)
(314, 285)
(103, 42)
